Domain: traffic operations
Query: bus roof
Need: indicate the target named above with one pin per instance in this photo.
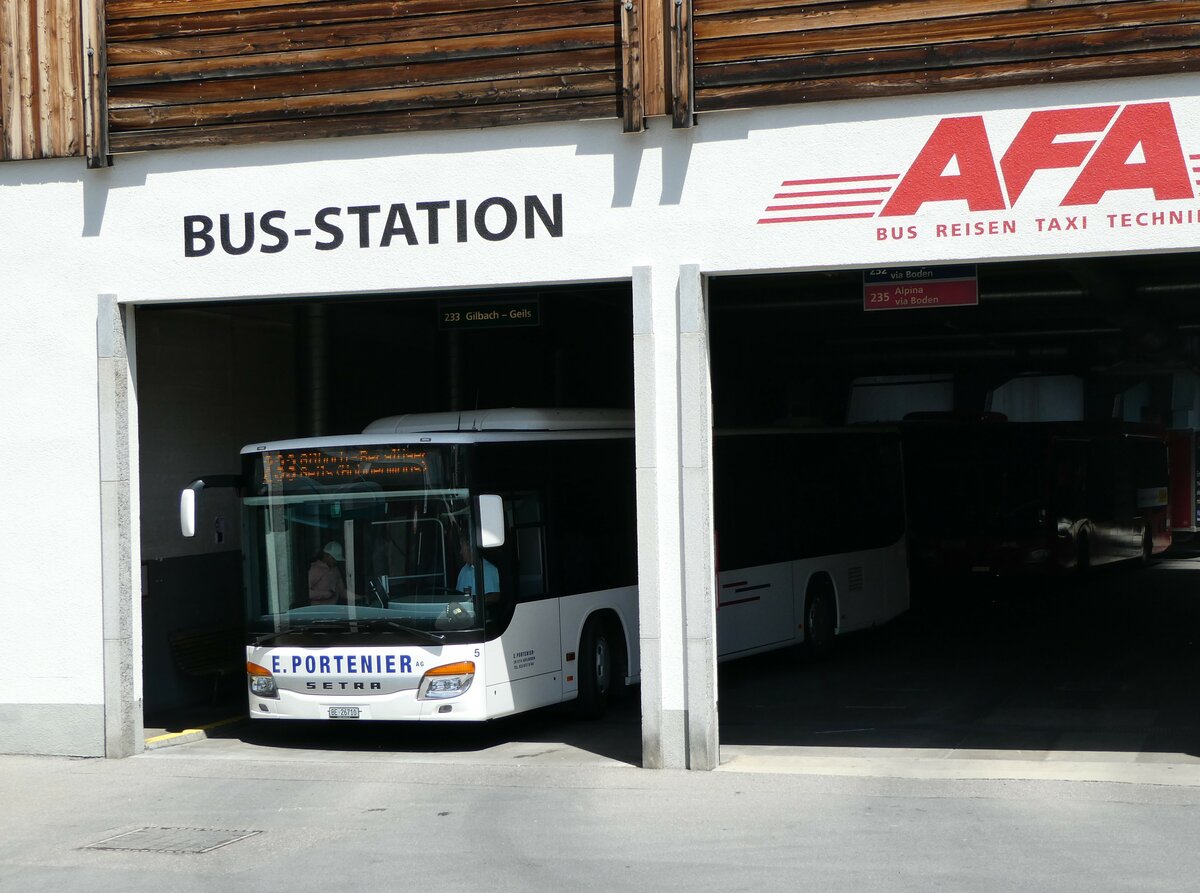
(509, 425)
(479, 426)
(483, 420)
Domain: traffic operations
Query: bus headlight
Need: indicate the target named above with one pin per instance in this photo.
(262, 683)
(446, 681)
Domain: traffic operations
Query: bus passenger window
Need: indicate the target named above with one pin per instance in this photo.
(529, 533)
(530, 574)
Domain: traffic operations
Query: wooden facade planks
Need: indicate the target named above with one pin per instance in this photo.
(85, 77)
(766, 52)
(654, 60)
(186, 72)
(360, 125)
(633, 106)
(682, 58)
(41, 83)
(524, 90)
(451, 53)
(549, 19)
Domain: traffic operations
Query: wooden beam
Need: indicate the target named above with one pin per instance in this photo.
(355, 125)
(310, 15)
(444, 96)
(66, 72)
(123, 10)
(654, 56)
(95, 85)
(526, 28)
(9, 99)
(633, 109)
(983, 28)
(465, 70)
(683, 101)
(45, 83)
(1037, 71)
(981, 55)
(25, 64)
(531, 46)
(740, 17)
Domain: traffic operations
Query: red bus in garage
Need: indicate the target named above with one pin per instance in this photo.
(468, 566)
(1185, 482)
(989, 496)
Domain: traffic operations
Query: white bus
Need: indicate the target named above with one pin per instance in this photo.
(456, 567)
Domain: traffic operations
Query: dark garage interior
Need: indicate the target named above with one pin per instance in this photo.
(1102, 663)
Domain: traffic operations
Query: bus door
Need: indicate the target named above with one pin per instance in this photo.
(523, 652)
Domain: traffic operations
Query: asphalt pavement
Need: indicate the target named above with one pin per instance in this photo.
(1042, 738)
(219, 815)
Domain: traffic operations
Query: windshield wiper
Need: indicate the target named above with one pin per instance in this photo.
(403, 628)
(318, 624)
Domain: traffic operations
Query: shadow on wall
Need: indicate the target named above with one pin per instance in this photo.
(188, 596)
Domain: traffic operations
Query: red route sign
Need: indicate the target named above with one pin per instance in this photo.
(906, 288)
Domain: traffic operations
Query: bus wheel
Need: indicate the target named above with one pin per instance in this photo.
(595, 670)
(819, 620)
(1147, 546)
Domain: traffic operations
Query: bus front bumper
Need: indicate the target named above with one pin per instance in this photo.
(403, 705)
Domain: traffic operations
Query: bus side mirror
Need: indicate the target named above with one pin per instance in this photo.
(491, 521)
(187, 508)
(190, 496)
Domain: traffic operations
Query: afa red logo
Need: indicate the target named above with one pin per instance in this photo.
(1113, 148)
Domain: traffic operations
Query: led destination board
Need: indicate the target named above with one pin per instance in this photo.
(391, 464)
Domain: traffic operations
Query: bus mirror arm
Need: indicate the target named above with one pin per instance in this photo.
(189, 497)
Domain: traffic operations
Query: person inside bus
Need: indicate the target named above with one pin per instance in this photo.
(462, 614)
(325, 583)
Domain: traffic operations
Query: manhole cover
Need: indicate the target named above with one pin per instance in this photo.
(172, 840)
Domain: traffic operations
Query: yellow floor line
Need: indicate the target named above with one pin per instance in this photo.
(213, 725)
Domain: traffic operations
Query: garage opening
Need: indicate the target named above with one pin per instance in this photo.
(1000, 654)
(214, 377)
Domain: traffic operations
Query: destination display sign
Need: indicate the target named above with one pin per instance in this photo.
(390, 464)
(895, 288)
(488, 314)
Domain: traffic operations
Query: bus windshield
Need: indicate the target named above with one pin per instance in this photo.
(336, 550)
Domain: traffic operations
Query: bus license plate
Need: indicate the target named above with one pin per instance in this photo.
(343, 713)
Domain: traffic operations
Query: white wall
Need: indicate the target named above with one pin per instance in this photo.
(51, 651)
(658, 199)
(628, 199)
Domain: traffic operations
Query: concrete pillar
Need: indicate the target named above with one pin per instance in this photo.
(119, 546)
(676, 560)
(315, 366)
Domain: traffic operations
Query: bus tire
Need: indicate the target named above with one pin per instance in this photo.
(597, 669)
(1147, 546)
(820, 616)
